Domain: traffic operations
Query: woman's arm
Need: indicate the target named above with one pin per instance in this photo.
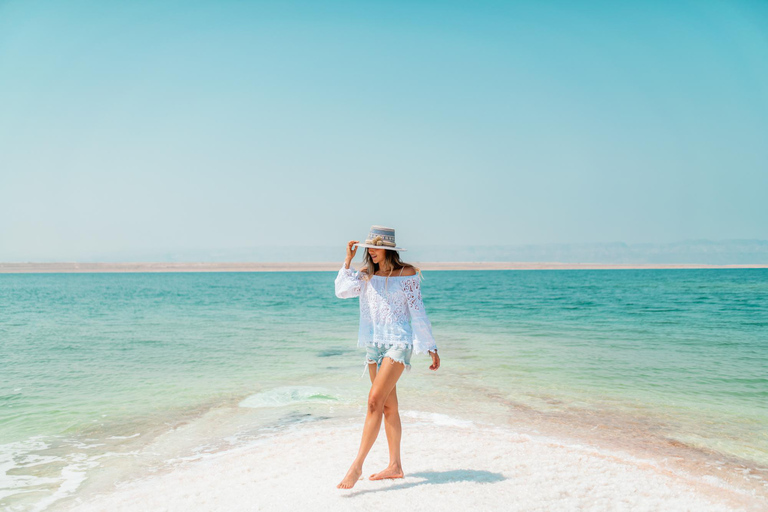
(348, 283)
(423, 341)
(348, 280)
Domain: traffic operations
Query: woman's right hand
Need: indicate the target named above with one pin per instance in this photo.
(350, 251)
(435, 360)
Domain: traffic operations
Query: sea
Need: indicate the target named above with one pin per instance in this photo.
(105, 377)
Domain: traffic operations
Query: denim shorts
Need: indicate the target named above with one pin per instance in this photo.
(375, 354)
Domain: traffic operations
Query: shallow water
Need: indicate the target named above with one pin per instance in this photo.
(108, 374)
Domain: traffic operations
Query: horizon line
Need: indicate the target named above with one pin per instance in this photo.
(204, 267)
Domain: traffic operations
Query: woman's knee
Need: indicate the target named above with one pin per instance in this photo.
(376, 402)
(390, 405)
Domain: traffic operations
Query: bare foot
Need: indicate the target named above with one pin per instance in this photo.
(390, 472)
(351, 478)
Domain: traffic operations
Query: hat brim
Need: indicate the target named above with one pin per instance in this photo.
(381, 247)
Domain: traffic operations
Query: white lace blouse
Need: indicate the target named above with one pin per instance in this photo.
(391, 310)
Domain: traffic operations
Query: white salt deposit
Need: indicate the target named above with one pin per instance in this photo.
(449, 465)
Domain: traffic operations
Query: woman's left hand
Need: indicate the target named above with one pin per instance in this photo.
(435, 360)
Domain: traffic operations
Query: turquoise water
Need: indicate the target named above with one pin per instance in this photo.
(94, 367)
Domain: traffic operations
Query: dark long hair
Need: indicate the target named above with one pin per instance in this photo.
(393, 260)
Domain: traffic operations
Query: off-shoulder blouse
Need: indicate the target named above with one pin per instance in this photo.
(391, 310)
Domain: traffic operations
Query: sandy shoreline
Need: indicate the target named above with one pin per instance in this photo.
(449, 465)
(50, 268)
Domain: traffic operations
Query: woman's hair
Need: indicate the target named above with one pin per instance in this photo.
(393, 260)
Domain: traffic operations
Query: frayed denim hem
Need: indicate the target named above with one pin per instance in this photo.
(376, 353)
(378, 364)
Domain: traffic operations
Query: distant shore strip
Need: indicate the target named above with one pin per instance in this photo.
(52, 268)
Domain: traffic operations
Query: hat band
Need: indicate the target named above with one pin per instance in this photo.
(377, 240)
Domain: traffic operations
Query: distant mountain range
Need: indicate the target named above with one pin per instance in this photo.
(724, 252)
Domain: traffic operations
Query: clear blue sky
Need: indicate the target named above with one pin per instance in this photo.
(150, 127)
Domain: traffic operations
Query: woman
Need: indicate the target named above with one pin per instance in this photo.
(393, 325)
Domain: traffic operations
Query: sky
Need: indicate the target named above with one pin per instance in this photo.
(200, 127)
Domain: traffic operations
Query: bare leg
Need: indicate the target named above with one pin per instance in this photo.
(382, 386)
(394, 432)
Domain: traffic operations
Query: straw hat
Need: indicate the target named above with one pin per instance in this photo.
(381, 238)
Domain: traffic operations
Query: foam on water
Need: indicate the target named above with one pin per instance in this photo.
(437, 418)
(137, 434)
(289, 395)
(74, 467)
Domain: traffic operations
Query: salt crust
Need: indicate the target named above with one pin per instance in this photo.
(449, 465)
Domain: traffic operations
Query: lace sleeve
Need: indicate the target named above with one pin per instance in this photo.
(423, 341)
(347, 283)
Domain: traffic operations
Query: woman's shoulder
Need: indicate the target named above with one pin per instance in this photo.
(408, 270)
